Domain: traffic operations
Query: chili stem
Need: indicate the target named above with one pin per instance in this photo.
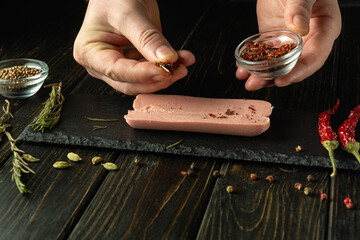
(331, 146)
(353, 148)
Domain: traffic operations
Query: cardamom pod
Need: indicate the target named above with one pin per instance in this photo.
(61, 164)
(109, 166)
(74, 157)
(96, 160)
(30, 158)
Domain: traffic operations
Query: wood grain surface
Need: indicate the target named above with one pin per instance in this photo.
(154, 200)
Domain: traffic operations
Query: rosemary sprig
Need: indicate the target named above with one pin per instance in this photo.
(19, 165)
(50, 115)
(174, 144)
(102, 119)
(99, 127)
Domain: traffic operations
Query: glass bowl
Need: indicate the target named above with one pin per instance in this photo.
(277, 67)
(23, 87)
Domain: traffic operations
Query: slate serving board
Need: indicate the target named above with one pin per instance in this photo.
(277, 145)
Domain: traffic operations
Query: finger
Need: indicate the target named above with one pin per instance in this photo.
(241, 73)
(312, 58)
(146, 37)
(254, 83)
(297, 15)
(137, 88)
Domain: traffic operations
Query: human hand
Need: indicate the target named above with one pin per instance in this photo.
(318, 21)
(119, 42)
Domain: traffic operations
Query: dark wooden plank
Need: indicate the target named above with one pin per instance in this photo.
(150, 201)
(58, 196)
(343, 221)
(262, 210)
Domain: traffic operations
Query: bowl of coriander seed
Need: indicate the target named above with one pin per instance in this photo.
(22, 77)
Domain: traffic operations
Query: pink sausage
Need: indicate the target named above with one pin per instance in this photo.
(194, 114)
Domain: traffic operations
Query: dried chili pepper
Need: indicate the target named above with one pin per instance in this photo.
(169, 67)
(347, 133)
(328, 136)
(257, 51)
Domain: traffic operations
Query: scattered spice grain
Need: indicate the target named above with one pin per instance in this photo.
(253, 176)
(96, 160)
(310, 178)
(217, 173)
(298, 148)
(270, 178)
(298, 186)
(30, 158)
(307, 191)
(190, 172)
(61, 164)
(73, 157)
(349, 205)
(230, 189)
(323, 196)
(110, 166)
(137, 161)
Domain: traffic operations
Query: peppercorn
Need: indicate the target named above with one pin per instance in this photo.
(190, 172)
(310, 178)
(270, 178)
(298, 186)
(323, 196)
(349, 205)
(347, 200)
(253, 176)
(217, 173)
(137, 161)
(298, 148)
(193, 166)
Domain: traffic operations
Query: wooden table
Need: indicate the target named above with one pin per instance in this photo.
(154, 200)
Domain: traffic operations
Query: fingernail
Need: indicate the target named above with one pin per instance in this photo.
(165, 53)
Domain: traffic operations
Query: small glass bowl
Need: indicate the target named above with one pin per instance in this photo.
(277, 67)
(23, 87)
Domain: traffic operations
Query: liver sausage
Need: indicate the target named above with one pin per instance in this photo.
(240, 117)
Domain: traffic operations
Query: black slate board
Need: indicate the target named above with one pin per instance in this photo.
(277, 145)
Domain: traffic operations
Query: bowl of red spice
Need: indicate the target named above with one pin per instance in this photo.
(269, 55)
(22, 77)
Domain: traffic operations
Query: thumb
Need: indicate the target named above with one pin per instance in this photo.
(297, 15)
(147, 38)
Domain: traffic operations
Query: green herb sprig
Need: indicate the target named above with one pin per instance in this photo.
(174, 144)
(19, 165)
(50, 115)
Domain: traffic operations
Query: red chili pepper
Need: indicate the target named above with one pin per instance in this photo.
(347, 133)
(328, 136)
